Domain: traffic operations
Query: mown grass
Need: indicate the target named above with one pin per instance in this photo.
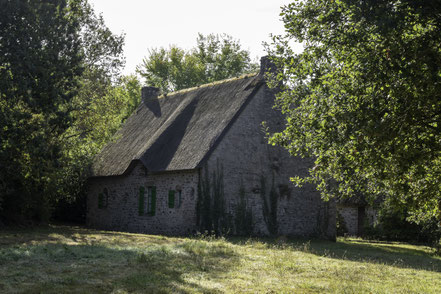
(62, 259)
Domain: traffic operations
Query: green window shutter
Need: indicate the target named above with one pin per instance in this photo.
(171, 199)
(141, 201)
(100, 200)
(153, 201)
(105, 200)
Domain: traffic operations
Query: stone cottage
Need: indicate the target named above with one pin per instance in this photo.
(196, 160)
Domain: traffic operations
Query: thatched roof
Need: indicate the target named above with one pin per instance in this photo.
(176, 131)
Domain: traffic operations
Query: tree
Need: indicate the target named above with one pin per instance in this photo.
(100, 110)
(363, 98)
(214, 58)
(103, 101)
(47, 51)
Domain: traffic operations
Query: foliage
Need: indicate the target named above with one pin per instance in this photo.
(215, 57)
(52, 53)
(98, 112)
(363, 98)
(269, 206)
(393, 224)
(210, 207)
(218, 199)
(39, 71)
(203, 204)
(243, 218)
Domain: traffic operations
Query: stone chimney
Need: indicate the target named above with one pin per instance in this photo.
(268, 72)
(148, 93)
(266, 65)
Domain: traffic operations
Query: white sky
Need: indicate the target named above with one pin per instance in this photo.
(151, 24)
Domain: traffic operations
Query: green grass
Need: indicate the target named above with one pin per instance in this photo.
(61, 259)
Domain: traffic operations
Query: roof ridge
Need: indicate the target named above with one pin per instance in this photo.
(244, 76)
(176, 134)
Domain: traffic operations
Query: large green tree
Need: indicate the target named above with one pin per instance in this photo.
(364, 98)
(214, 58)
(100, 110)
(48, 51)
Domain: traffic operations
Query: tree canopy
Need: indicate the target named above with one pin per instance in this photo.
(364, 98)
(215, 57)
(49, 52)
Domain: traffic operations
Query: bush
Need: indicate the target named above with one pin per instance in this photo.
(394, 225)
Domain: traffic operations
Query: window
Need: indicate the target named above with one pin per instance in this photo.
(147, 205)
(171, 199)
(103, 199)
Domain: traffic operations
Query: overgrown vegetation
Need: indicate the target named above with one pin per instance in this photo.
(210, 207)
(393, 224)
(269, 205)
(76, 260)
(212, 215)
(363, 99)
(61, 100)
(215, 57)
(243, 215)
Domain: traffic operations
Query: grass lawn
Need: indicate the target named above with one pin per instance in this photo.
(62, 259)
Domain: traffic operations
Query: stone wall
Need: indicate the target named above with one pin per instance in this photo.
(371, 216)
(350, 216)
(357, 217)
(122, 211)
(247, 160)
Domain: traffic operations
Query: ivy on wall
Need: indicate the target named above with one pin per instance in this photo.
(323, 219)
(243, 219)
(269, 206)
(210, 207)
(211, 212)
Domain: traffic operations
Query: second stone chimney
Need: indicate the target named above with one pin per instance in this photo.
(268, 72)
(266, 65)
(148, 93)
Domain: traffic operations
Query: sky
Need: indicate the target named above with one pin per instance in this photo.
(153, 24)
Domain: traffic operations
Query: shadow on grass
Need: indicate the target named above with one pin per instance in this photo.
(43, 265)
(388, 253)
(81, 234)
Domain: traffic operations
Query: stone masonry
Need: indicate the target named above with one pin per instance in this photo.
(246, 157)
(121, 213)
